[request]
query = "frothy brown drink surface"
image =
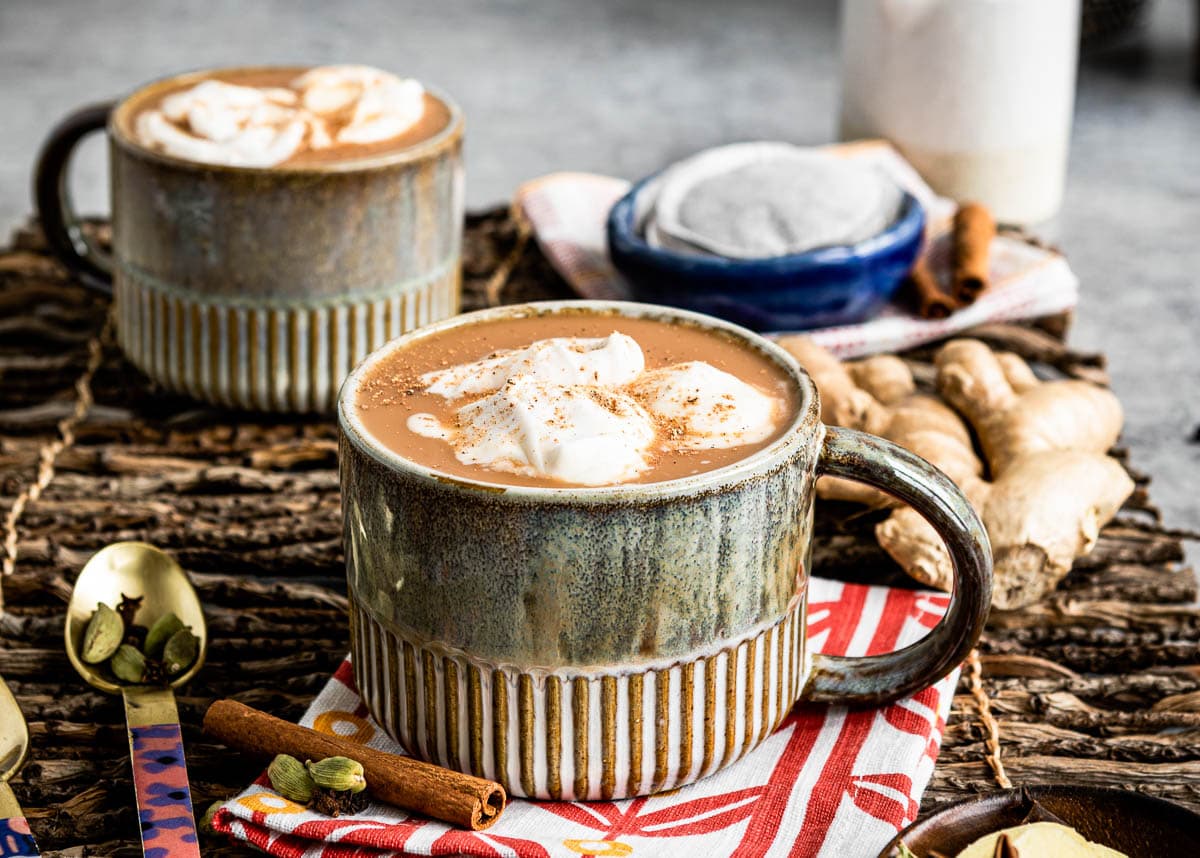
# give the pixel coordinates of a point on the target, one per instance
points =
(576, 399)
(283, 117)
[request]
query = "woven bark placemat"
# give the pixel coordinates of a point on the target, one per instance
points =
(1100, 685)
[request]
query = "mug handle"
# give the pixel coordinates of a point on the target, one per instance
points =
(876, 679)
(60, 224)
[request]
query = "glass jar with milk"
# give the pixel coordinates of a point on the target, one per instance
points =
(976, 94)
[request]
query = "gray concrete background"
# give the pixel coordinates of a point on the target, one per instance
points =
(624, 86)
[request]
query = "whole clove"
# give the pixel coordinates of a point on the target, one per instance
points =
(339, 802)
(128, 608)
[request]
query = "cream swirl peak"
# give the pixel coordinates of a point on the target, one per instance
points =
(215, 122)
(613, 360)
(586, 411)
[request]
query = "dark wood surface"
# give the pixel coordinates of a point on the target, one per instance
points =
(1098, 685)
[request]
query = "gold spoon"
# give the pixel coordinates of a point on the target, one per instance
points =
(15, 837)
(155, 740)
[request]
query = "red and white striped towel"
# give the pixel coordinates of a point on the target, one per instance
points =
(568, 213)
(829, 782)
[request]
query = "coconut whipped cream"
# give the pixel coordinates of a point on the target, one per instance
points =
(706, 407)
(586, 411)
(611, 361)
(249, 126)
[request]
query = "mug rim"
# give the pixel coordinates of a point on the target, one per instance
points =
(780, 450)
(451, 133)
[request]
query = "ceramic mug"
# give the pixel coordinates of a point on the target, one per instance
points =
(584, 643)
(262, 287)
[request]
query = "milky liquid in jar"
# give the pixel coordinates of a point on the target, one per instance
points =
(656, 401)
(976, 94)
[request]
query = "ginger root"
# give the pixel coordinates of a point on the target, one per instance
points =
(1052, 487)
(1040, 514)
(878, 395)
(1016, 414)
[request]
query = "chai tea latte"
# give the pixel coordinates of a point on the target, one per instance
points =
(283, 117)
(576, 399)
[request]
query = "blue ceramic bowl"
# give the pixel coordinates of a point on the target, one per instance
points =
(834, 285)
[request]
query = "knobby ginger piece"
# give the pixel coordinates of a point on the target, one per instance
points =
(885, 377)
(1042, 513)
(1015, 414)
(842, 404)
(878, 395)
(1052, 489)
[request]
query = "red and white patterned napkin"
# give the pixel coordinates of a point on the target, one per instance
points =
(568, 213)
(829, 782)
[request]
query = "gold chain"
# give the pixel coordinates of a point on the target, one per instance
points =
(50, 451)
(991, 729)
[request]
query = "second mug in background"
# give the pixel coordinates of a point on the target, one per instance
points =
(255, 286)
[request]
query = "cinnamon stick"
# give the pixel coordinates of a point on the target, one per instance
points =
(453, 797)
(974, 230)
(930, 300)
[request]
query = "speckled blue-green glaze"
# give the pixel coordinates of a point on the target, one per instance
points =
(532, 583)
(338, 230)
(261, 288)
(577, 577)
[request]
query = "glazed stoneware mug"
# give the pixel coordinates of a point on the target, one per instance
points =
(261, 287)
(585, 643)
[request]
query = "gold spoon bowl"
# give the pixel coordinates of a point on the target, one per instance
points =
(132, 569)
(155, 740)
(15, 836)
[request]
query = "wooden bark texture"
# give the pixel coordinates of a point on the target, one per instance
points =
(1098, 685)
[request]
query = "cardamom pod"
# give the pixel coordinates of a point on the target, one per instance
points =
(338, 773)
(104, 633)
(180, 651)
(290, 779)
(128, 664)
(206, 826)
(165, 626)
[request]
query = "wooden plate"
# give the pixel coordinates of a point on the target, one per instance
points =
(1134, 823)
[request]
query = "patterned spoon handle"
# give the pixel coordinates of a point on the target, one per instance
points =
(16, 840)
(160, 774)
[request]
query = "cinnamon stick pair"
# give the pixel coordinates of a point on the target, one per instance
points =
(971, 239)
(461, 800)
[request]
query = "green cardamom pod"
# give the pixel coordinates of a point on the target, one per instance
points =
(180, 651)
(206, 826)
(290, 779)
(165, 626)
(338, 773)
(104, 633)
(128, 664)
